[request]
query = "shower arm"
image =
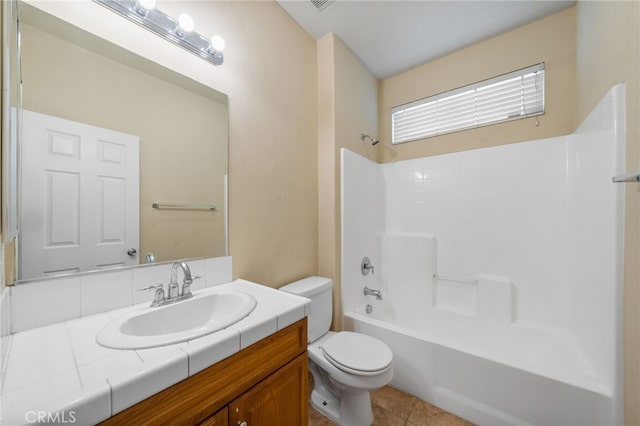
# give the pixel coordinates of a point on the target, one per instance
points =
(374, 141)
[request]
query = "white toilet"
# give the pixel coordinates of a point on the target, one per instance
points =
(345, 365)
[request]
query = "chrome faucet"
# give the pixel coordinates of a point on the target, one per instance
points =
(174, 293)
(371, 292)
(174, 290)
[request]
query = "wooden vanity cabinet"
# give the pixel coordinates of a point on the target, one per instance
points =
(262, 385)
(221, 418)
(277, 400)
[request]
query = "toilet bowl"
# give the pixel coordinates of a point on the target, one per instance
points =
(345, 365)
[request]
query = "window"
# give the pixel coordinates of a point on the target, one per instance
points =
(519, 94)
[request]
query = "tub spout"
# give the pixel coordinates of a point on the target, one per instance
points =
(371, 292)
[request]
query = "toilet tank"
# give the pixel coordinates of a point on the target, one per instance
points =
(319, 314)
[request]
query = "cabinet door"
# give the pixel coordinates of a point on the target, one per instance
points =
(279, 400)
(221, 418)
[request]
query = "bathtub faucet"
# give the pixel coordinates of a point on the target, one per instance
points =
(371, 292)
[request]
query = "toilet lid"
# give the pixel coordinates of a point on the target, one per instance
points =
(357, 353)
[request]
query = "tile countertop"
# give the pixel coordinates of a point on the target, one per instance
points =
(58, 373)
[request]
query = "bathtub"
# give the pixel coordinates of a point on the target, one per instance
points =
(486, 373)
(501, 272)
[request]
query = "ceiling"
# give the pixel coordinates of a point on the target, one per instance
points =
(391, 36)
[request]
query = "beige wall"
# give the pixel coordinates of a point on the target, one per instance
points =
(328, 225)
(347, 99)
(272, 85)
(550, 40)
(608, 52)
(183, 136)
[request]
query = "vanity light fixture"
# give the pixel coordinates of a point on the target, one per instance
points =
(217, 44)
(144, 6)
(178, 31)
(185, 25)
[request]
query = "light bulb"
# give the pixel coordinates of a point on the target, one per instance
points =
(185, 22)
(147, 4)
(217, 43)
(144, 6)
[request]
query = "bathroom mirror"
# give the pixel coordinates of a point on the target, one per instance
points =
(10, 104)
(74, 78)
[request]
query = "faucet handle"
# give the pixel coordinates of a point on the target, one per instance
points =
(186, 286)
(173, 290)
(190, 280)
(186, 289)
(159, 294)
(150, 287)
(366, 266)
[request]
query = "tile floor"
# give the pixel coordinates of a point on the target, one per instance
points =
(392, 407)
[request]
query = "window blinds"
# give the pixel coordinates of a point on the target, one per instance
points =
(519, 94)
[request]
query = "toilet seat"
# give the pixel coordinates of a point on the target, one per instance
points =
(357, 353)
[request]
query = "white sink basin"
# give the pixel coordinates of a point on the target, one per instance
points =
(189, 319)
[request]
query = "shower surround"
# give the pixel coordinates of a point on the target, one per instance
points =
(501, 273)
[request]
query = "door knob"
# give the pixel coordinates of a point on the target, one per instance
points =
(241, 423)
(132, 252)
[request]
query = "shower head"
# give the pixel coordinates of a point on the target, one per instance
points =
(374, 141)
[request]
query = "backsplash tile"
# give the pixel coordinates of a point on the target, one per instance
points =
(103, 292)
(218, 271)
(39, 303)
(148, 276)
(198, 273)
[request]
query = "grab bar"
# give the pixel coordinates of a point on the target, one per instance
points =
(632, 176)
(456, 279)
(183, 206)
